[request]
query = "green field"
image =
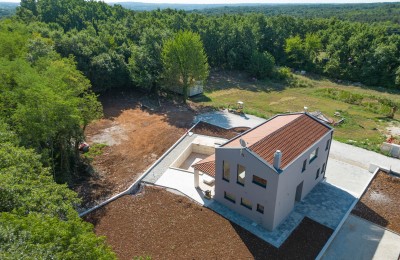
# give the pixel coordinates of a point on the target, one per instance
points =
(364, 127)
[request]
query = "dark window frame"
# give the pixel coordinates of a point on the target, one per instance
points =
(260, 183)
(260, 210)
(304, 168)
(317, 175)
(328, 144)
(237, 175)
(315, 155)
(246, 206)
(223, 171)
(228, 198)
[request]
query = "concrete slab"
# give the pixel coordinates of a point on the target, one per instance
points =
(362, 158)
(360, 239)
(348, 177)
(228, 120)
(184, 182)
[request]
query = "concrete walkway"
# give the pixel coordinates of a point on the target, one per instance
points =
(228, 120)
(360, 239)
(348, 177)
(360, 157)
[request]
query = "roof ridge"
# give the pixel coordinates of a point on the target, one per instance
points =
(268, 120)
(277, 131)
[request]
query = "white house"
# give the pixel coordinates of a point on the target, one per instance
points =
(263, 172)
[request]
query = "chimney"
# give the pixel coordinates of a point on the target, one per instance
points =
(305, 109)
(277, 159)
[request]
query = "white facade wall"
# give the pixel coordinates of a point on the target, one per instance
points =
(278, 198)
(250, 191)
(292, 176)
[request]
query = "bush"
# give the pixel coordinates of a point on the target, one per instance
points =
(283, 73)
(261, 65)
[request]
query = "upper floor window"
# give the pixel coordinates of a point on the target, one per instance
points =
(259, 181)
(327, 144)
(227, 172)
(241, 174)
(314, 155)
(304, 165)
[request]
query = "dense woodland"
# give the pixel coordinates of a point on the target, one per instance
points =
(56, 55)
(375, 12)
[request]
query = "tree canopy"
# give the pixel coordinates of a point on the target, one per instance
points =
(184, 60)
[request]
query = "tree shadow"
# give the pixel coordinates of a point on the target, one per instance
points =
(365, 212)
(95, 216)
(225, 80)
(116, 101)
(305, 242)
(90, 187)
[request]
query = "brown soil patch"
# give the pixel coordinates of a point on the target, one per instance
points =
(135, 137)
(380, 204)
(163, 225)
(203, 128)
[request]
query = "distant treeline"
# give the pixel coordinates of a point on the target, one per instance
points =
(375, 12)
(7, 9)
(116, 47)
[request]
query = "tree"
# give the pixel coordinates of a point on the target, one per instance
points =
(261, 65)
(184, 60)
(37, 216)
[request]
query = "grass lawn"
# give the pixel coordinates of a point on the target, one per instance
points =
(362, 127)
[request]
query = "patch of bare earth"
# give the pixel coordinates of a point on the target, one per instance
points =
(135, 139)
(163, 225)
(204, 128)
(380, 204)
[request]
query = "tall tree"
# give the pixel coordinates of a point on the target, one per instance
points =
(185, 60)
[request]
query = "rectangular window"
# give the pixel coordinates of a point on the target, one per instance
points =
(327, 145)
(304, 165)
(246, 203)
(227, 172)
(241, 174)
(317, 175)
(259, 181)
(314, 155)
(260, 208)
(230, 197)
(323, 168)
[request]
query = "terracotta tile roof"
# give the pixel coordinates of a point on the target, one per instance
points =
(292, 139)
(207, 165)
(292, 134)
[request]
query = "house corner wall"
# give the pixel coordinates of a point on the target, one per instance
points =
(292, 176)
(250, 191)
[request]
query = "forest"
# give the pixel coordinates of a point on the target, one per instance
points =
(372, 12)
(56, 56)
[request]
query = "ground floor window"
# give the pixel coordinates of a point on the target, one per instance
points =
(260, 208)
(230, 197)
(246, 203)
(317, 175)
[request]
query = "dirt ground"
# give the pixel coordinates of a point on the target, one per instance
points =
(380, 204)
(163, 225)
(204, 128)
(135, 138)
